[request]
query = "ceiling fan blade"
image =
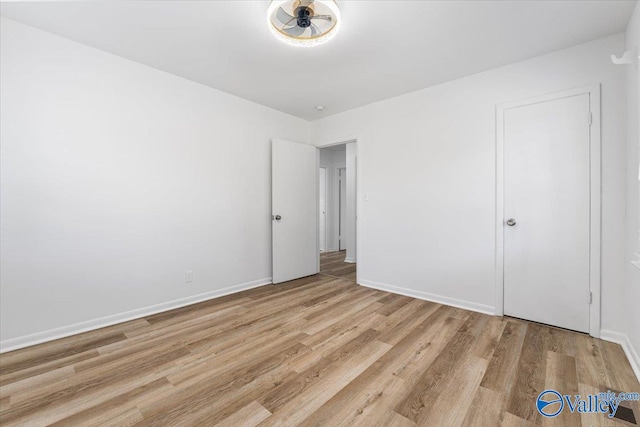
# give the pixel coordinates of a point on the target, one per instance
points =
(283, 16)
(294, 31)
(314, 29)
(323, 17)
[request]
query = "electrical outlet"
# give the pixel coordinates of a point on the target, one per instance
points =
(188, 276)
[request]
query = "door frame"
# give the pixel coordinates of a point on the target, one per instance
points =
(595, 173)
(338, 205)
(339, 141)
(326, 181)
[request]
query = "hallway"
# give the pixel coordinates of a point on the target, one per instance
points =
(332, 264)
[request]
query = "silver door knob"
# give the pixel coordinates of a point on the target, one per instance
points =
(511, 222)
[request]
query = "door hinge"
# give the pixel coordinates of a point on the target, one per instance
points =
(590, 118)
(590, 297)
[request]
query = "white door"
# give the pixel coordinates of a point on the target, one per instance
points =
(342, 210)
(294, 202)
(323, 208)
(546, 212)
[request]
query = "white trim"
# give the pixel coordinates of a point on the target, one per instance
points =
(337, 191)
(499, 213)
(625, 343)
(101, 322)
(317, 211)
(338, 141)
(595, 245)
(326, 181)
(636, 259)
(349, 259)
(595, 198)
(440, 299)
(335, 209)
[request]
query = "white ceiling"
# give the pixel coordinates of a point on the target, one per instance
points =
(383, 49)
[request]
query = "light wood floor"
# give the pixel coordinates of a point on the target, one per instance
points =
(332, 264)
(317, 351)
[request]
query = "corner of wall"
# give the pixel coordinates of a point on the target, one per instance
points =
(627, 346)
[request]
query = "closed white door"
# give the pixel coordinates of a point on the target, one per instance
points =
(546, 212)
(294, 210)
(323, 208)
(342, 210)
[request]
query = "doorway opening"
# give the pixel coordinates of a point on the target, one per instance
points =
(337, 210)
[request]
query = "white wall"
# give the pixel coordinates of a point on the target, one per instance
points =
(632, 293)
(427, 162)
(116, 179)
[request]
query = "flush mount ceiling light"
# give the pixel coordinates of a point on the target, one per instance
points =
(303, 22)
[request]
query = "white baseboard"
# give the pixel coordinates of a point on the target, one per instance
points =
(101, 322)
(350, 260)
(629, 350)
(467, 305)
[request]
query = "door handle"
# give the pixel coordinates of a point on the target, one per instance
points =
(276, 217)
(511, 222)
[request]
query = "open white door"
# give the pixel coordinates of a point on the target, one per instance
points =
(294, 200)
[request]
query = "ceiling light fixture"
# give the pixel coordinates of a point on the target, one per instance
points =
(303, 22)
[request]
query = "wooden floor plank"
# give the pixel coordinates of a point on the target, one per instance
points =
(589, 363)
(249, 416)
(120, 407)
(486, 409)
(419, 402)
(593, 420)
(315, 351)
(456, 394)
(561, 375)
(332, 264)
(530, 374)
(297, 385)
(511, 420)
(504, 361)
(380, 386)
(303, 406)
